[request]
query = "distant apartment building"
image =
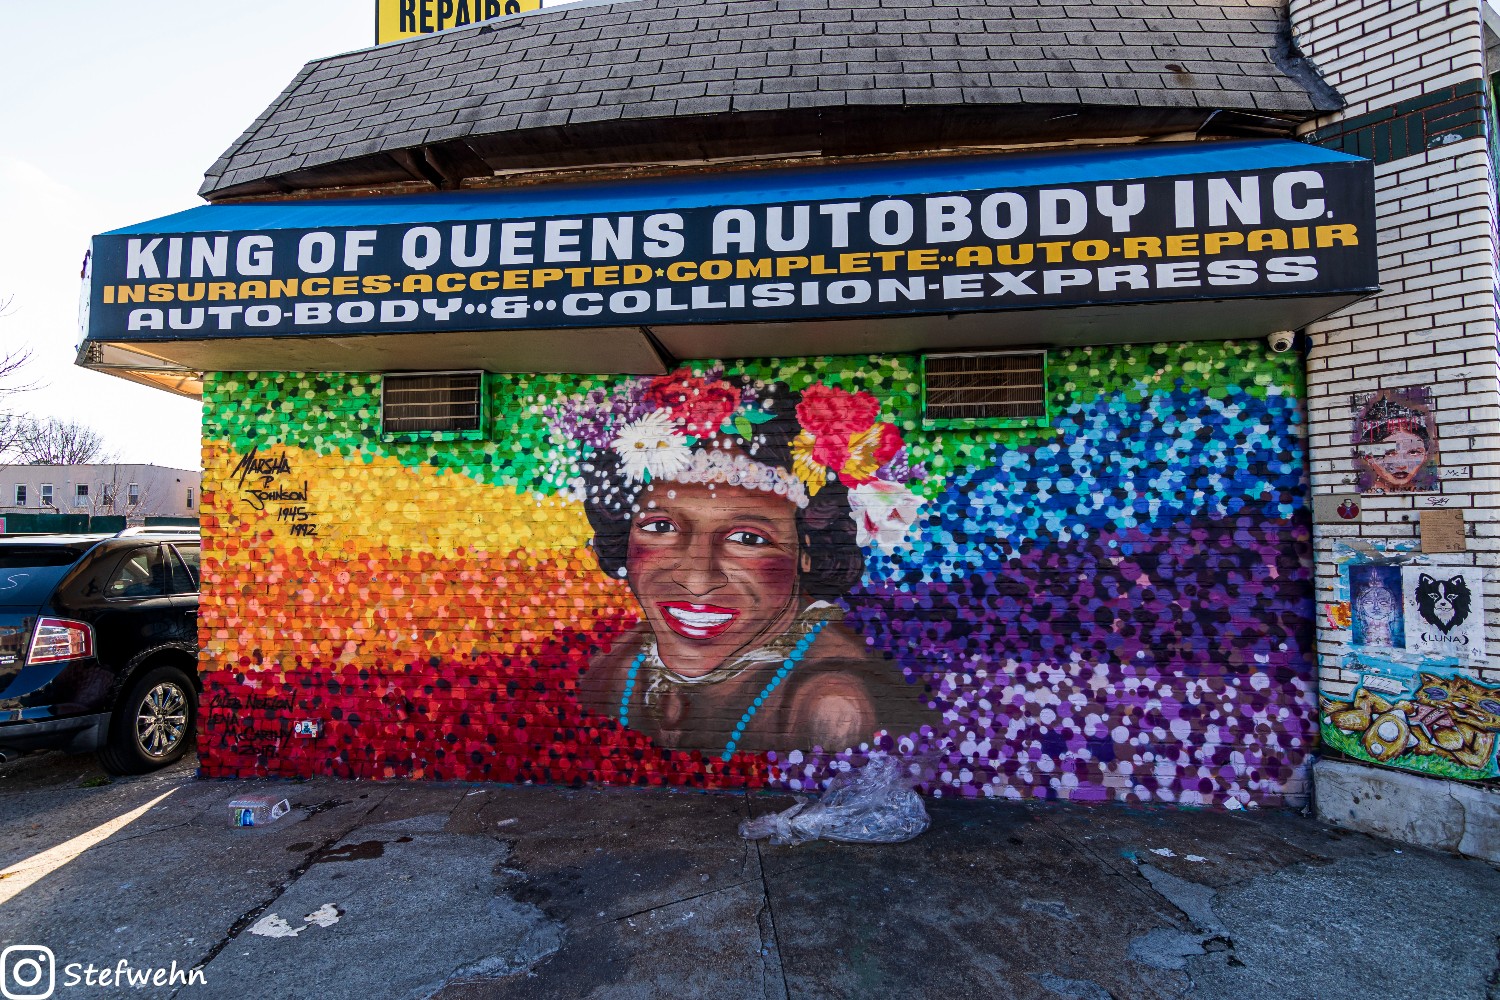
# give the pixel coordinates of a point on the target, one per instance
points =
(135, 491)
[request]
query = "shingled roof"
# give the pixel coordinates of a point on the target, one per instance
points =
(655, 80)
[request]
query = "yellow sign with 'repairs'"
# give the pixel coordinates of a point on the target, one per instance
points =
(398, 19)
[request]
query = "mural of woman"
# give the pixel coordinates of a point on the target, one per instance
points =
(1395, 441)
(735, 510)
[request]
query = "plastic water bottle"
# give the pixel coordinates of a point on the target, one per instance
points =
(257, 810)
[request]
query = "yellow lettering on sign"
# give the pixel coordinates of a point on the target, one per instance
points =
(398, 19)
(1344, 236)
(1215, 242)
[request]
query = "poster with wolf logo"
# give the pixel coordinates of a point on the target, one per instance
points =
(1444, 611)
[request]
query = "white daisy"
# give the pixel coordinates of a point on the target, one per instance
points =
(652, 445)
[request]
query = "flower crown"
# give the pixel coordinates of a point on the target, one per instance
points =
(706, 429)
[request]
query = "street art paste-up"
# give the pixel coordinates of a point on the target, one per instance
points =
(1444, 611)
(1395, 441)
(1115, 606)
(1375, 606)
(1432, 719)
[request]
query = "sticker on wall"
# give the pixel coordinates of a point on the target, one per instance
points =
(1433, 720)
(1395, 441)
(1337, 508)
(1444, 611)
(1443, 530)
(1375, 606)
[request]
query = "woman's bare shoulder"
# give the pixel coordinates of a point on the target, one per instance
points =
(845, 692)
(831, 698)
(829, 707)
(601, 683)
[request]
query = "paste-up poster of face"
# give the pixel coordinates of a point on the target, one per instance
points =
(1375, 606)
(1444, 611)
(1395, 441)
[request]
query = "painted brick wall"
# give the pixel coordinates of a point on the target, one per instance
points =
(1434, 324)
(1117, 606)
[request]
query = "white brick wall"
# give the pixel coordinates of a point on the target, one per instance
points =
(1435, 322)
(1378, 53)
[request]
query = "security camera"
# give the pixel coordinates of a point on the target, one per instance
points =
(1281, 341)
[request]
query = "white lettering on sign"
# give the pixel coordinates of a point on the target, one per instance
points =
(1162, 238)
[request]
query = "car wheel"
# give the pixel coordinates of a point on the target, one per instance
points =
(153, 724)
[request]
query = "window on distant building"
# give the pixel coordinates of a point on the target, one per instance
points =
(20, 496)
(190, 498)
(81, 495)
(46, 494)
(133, 494)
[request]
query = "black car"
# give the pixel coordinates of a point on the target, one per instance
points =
(99, 646)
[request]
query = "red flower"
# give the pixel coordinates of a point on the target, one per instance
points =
(890, 443)
(699, 405)
(829, 412)
(832, 452)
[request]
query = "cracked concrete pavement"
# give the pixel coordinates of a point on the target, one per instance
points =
(375, 891)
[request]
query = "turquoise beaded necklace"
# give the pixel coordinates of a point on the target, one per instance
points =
(782, 673)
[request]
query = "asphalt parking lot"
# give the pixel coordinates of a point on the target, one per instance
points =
(465, 892)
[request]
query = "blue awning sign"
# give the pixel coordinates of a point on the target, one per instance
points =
(1151, 224)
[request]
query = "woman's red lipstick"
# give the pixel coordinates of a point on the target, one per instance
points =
(697, 621)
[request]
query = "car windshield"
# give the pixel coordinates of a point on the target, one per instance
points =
(28, 573)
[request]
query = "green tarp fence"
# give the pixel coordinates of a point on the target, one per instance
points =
(69, 524)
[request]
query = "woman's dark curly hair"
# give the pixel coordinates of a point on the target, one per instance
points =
(825, 528)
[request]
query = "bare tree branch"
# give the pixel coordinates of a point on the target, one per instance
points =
(13, 431)
(14, 428)
(48, 441)
(113, 497)
(59, 442)
(12, 361)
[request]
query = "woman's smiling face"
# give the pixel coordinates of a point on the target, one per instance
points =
(714, 569)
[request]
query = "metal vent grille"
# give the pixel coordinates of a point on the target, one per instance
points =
(996, 386)
(434, 401)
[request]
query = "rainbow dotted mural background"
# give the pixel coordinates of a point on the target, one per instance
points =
(1119, 606)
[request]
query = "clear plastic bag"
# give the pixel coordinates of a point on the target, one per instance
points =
(875, 804)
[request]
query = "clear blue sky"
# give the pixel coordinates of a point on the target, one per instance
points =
(112, 111)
